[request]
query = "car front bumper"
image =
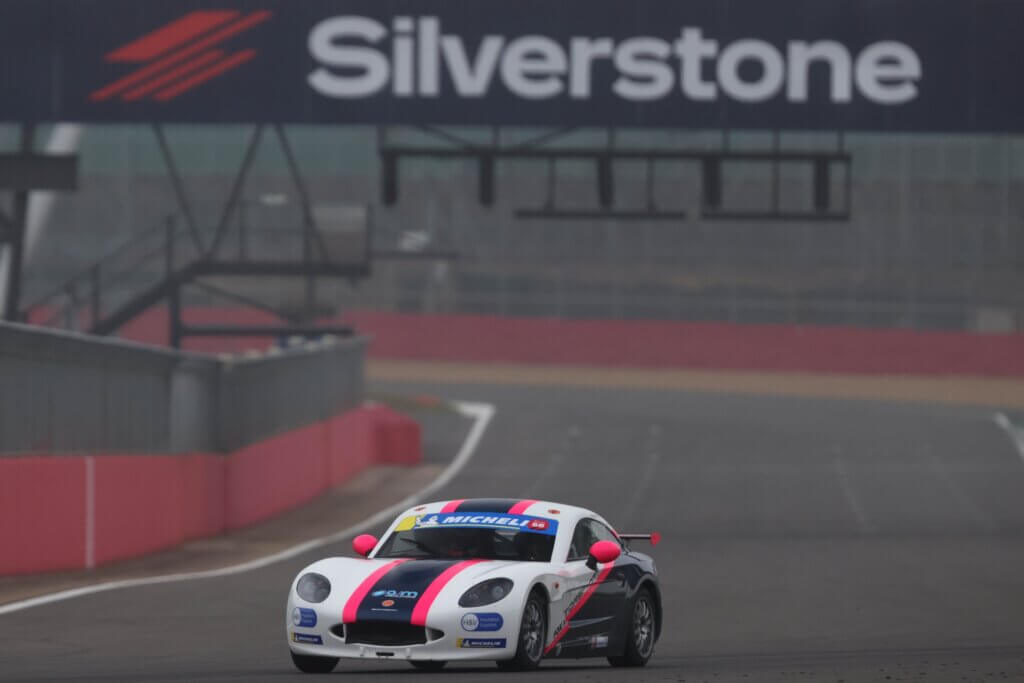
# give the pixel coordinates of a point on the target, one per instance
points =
(445, 639)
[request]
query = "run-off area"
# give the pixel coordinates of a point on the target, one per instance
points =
(803, 540)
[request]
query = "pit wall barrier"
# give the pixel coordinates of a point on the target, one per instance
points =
(642, 343)
(81, 511)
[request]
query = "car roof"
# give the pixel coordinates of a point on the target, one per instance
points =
(524, 506)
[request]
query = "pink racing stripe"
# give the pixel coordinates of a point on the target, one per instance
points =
(348, 615)
(579, 605)
(520, 507)
(419, 613)
(452, 505)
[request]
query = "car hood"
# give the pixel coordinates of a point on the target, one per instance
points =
(399, 589)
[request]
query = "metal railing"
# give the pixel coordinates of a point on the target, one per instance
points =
(157, 264)
(143, 261)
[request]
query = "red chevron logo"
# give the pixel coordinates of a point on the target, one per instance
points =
(180, 56)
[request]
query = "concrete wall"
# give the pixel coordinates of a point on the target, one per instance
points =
(81, 511)
(259, 395)
(111, 449)
(65, 392)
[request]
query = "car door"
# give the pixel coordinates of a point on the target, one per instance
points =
(586, 618)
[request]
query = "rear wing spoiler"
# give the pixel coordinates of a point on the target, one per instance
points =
(654, 537)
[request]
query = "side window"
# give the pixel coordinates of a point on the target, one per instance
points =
(581, 541)
(603, 533)
(587, 533)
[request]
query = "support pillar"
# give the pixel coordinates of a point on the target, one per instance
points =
(16, 242)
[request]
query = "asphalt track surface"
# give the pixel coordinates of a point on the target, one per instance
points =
(803, 540)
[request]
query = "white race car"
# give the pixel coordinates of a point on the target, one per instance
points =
(512, 581)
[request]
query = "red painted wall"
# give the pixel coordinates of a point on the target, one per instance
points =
(42, 514)
(655, 344)
(202, 483)
(276, 474)
(352, 446)
(144, 503)
(690, 345)
(138, 508)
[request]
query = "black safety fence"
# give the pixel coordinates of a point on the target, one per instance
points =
(63, 392)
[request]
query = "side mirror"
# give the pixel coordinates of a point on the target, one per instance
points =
(603, 552)
(364, 544)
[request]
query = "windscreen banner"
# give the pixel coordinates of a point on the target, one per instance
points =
(884, 65)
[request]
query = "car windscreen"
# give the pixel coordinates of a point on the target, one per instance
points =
(472, 536)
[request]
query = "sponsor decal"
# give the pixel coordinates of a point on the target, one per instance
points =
(304, 617)
(577, 602)
(351, 609)
(394, 594)
(179, 56)
(402, 591)
(480, 642)
(482, 621)
(307, 638)
(405, 524)
(599, 641)
(538, 525)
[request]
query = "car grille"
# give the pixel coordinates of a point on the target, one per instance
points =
(382, 633)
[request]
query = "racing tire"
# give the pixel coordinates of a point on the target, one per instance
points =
(532, 633)
(311, 664)
(641, 633)
(428, 664)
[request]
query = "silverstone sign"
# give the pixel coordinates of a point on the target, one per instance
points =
(537, 67)
(899, 65)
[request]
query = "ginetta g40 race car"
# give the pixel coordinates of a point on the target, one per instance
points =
(511, 581)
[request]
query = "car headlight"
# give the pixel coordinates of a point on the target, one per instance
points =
(486, 592)
(313, 587)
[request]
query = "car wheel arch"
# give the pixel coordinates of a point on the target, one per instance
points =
(539, 588)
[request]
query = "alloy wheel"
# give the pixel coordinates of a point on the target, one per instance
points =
(643, 626)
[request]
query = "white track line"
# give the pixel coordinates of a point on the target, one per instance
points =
(554, 462)
(1016, 434)
(850, 494)
(647, 477)
(956, 491)
(481, 413)
(90, 512)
